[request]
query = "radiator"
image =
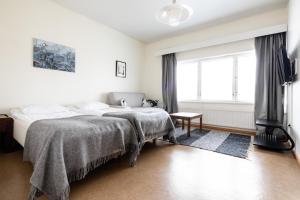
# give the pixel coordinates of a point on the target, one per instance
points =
(238, 119)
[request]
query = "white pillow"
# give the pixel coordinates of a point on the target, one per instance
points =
(43, 109)
(95, 105)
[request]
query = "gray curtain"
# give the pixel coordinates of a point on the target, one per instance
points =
(269, 92)
(169, 85)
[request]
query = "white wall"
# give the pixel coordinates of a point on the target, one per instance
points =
(97, 48)
(152, 67)
(294, 51)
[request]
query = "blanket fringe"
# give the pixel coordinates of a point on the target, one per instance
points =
(82, 172)
(34, 193)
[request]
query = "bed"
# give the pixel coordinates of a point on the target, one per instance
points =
(64, 146)
(143, 116)
(150, 122)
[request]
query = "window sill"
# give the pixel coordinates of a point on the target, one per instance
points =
(217, 102)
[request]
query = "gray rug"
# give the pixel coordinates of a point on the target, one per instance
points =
(220, 142)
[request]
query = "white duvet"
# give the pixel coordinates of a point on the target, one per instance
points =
(23, 121)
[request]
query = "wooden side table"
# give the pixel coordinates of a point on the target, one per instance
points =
(187, 116)
(7, 142)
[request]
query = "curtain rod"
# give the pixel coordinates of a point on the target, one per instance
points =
(224, 40)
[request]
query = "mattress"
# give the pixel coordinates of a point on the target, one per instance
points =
(22, 122)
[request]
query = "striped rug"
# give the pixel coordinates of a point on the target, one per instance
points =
(217, 141)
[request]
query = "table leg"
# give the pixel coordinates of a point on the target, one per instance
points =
(201, 123)
(189, 128)
(182, 124)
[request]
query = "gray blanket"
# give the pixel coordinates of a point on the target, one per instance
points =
(65, 150)
(149, 125)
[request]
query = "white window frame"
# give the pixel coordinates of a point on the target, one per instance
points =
(234, 77)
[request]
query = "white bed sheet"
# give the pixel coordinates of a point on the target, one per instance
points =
(100, 112)
(147, 109)
(22, 122)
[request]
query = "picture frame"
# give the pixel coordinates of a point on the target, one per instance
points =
(120, 69)
(50, 55)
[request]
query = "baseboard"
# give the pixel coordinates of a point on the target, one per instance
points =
(241, 131)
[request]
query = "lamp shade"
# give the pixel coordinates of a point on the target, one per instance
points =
(174, 14)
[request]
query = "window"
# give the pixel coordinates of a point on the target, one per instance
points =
(246, 77)
(226, 78)
(188, 79)
(217, 76)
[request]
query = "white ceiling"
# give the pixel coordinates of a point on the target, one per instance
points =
(136, 18)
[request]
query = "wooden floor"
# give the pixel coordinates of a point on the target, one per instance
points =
(173, 172)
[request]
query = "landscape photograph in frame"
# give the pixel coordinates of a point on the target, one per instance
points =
(49, 55)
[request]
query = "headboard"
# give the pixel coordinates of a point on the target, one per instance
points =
(133, 99)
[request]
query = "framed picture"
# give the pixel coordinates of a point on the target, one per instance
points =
(121, 69)
(49, 55)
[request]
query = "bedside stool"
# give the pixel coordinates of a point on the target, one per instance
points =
(187, 116)
(7, 142)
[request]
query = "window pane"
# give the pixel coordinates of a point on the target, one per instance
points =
(216, 79)
(246, 77)
(187, 81)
